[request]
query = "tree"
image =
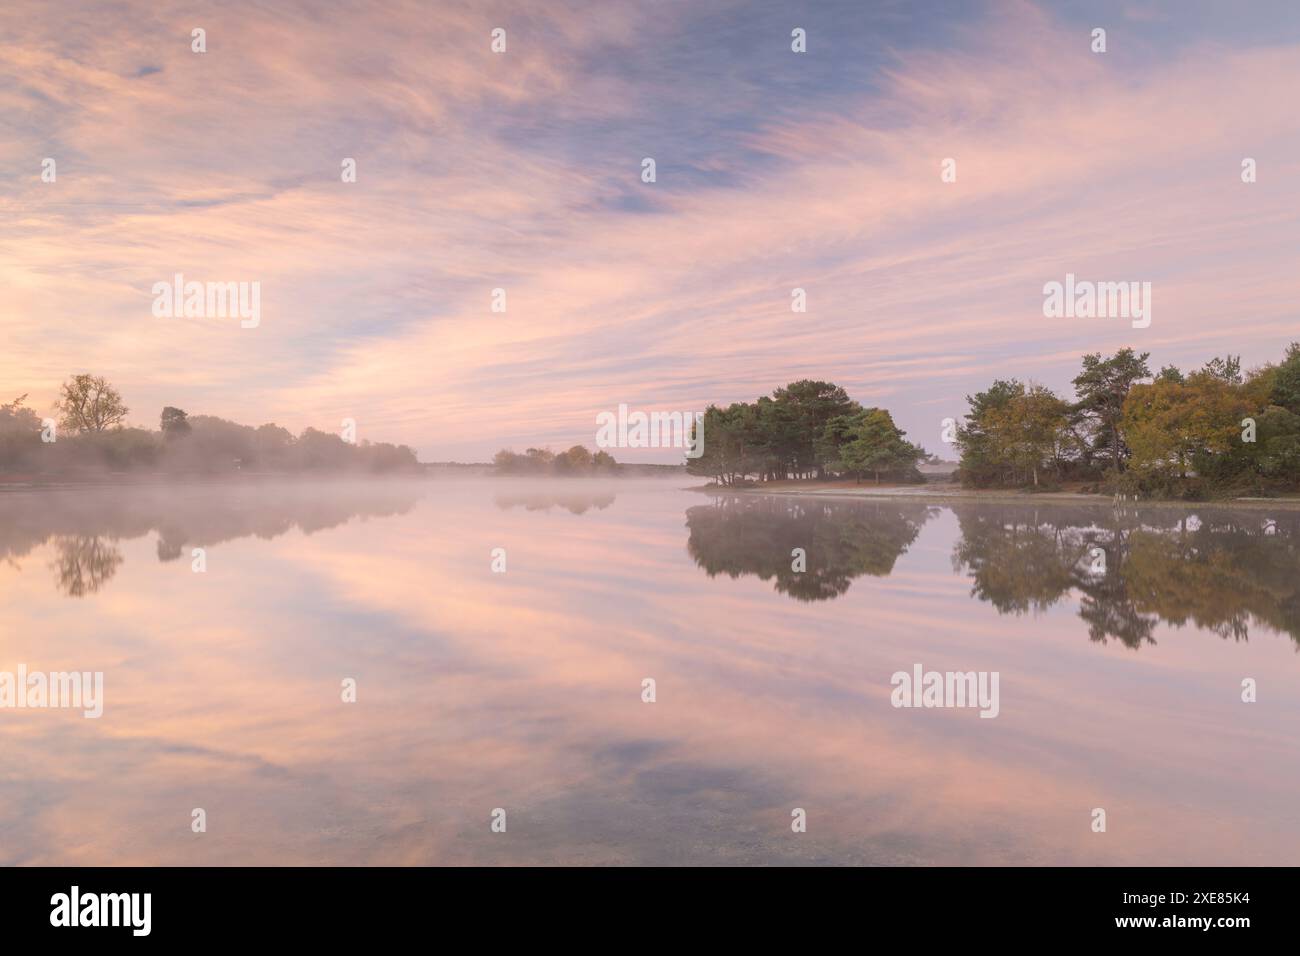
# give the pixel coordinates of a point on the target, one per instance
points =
(811, 405)
(1102, 387)
(734, 446)
(216, 444)
(174, 423)
(1286, 380)
(575, 461)
(868, 441)
(1278, 456)
(272, 445)
(1172, 427)
(317, 450)
(507, 462)
(709, 463)
(980, 463)
(778, 437)
(88, 403)
(538, 459)
(1028, 429)
(19, 431)
(15, 419)
(1227, 369)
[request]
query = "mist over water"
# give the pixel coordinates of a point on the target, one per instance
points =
(522, 689)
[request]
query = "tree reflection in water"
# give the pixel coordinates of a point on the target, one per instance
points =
(1222, 570)
(575, 502)
(739, 534)
(84, 563)
(85, 525)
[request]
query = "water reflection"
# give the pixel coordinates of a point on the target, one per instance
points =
(523, 689)
(83, 564)
(85, 525)
(842, 540)
(1222, 570)
(574, 501)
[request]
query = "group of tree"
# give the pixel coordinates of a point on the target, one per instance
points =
(1208, 432)
(807, 429)
(90, 434)
(577, 462)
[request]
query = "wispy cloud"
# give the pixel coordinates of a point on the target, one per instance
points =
(521, 171)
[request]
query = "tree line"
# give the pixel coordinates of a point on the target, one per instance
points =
(1209, 432)
(91, 434)
(576, 462)
(807, 429)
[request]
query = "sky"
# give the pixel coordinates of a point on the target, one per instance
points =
(522, 170)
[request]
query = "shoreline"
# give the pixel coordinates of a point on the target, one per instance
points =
(947, 494)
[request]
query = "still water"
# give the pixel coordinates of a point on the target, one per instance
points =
(1120, 689)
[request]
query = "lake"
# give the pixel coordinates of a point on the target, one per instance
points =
(1120, 638)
